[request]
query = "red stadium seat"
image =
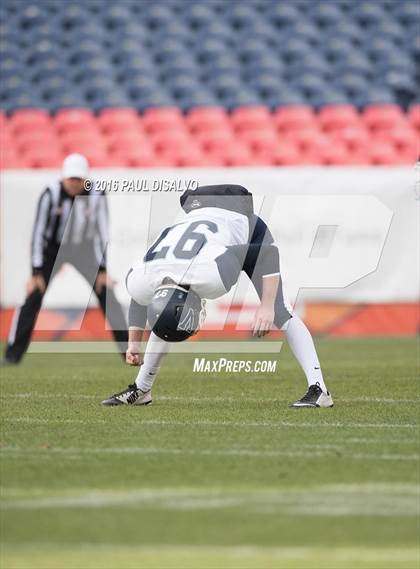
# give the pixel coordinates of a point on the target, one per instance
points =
(262, 159)
(29, 119)
(382, 117)
(354, 138)
(3, 119)
(334, 154)
(32, 139)
(215, 140)
(414, 116)
(358, 158)
(71, 120)
(135, 156)
(310, 143)
(207, 118)
(293, 118)
(255, 117)
(6, 136)
(171, 141)
(121, 141)
(337, 117)
(117, 161)
(163, 119)
(286, 154)
(71, 141)
(112, 120)
(192, 157)
(163, 161)
(382, 153)
(10, 158)
(43, 157)
(404, 139)
(97, 157)
(306, 140)
(260, 141)
(236, 155)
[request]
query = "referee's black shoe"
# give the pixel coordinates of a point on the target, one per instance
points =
(10, 360)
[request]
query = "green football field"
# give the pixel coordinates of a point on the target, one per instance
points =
(218, 472)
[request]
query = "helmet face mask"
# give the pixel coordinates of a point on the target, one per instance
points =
(175, 313)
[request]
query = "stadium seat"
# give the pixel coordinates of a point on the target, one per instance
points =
(355, 137)
(27, 140)
(250, 117)
(166, 118)
(114, 119)
(171, 142)
(118, 142)
(345, 29)
(338, 117)
(191, 157)
(382, 117)
(261, 142)
(237, 155)
(334, 154)
(383, 153)
(414, 116)
(367, 13)
(10, 159)
(325, 13)
(286, 154)
(294, 49)
(207, 118)
(43, 157)
(310, 142)
(72, 140)
(310, 62)
(136, 156)
(215, 141)
(294, 118)
(29, 119)
(71, 120)
(198, 15)
(284, 14)
(405, 140)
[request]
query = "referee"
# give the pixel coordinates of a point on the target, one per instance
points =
(67, 230)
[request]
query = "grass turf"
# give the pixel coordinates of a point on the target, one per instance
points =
(218, 471)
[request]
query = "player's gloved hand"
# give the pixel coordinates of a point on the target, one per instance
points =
(263, 321)
(35, 282)
(133, 355)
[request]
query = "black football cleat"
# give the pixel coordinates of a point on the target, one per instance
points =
(130, 396)
(314, 397)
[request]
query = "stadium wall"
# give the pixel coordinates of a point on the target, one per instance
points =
(348, 239)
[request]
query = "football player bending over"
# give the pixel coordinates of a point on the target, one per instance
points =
(201, 258)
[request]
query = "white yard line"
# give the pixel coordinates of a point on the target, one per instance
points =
(359, 556)
(311, 502)
(78, 451)
(189, 423)
(205, 399)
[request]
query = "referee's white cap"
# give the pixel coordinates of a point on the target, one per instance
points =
(75, 166)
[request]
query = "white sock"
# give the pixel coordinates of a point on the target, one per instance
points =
(302, 346)
(156, 349)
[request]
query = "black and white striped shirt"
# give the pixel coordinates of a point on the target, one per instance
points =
(62, 219)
